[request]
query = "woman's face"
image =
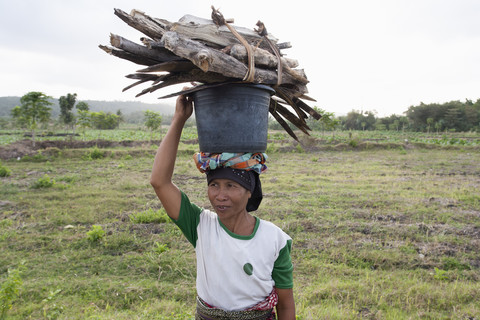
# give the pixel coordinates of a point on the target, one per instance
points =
(227, 197)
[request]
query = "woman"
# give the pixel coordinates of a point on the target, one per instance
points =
(244, 269)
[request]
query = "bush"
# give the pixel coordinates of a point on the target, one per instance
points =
(353, 143)
(44, 182)
(450, 263)
(38, 157)
(94, 154)
(4, 171)
(95, 234)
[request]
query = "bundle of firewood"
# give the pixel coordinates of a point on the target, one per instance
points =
(210, 53)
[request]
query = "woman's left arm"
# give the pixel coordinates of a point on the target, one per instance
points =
(286, 304)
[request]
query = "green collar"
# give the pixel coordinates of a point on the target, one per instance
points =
(236, 236)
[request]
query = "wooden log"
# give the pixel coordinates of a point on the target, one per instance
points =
(305, 97)
(143, 80)
(300, 124)
(155, 22)
(307, 108)
(263, 58)
(205, 31)
(128, 56)
(157, 54)
(273, 111)
(171, 66)
(194, 75)
(285, 96)
(140, 76)
(209, 59)
(142, 23)
(284, 45)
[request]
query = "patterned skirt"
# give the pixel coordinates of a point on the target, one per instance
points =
(206, 312)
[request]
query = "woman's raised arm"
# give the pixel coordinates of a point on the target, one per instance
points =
(164, 163)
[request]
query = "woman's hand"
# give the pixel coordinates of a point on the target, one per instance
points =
(183, 107)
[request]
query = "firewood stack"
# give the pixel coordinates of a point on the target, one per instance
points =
(210, 53)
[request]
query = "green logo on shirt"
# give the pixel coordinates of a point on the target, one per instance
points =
(248, 269)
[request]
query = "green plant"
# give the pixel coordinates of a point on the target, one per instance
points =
(6, 223)
(440, 274)
(44, 182)
(51, 310)
(299, 148)
(450, 263)
(159, 248)
(9, 290)
(4, 171)
(150, 216)
(94, 154)
(353, 142)
(5, 230)
(38, 157)
(95, 234)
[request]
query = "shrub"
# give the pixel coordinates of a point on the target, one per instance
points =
(450, 263)
(38, 157)
(150, 216)
(44, 182)
(4, 171)
(95, 234)
(9, 290)
(440, 274)
(128, 157)
(299, 148)
(94, 154)
(353, 143)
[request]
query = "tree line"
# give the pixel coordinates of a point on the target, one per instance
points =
(454, 116)
(34, 111)
(457, 116)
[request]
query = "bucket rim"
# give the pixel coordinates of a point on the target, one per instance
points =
(246, 84)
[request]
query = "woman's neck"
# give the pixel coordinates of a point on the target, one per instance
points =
(242, 224)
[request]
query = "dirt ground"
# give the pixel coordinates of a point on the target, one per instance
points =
(27, 148)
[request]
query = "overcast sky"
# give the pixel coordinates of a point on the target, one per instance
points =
(382, 55)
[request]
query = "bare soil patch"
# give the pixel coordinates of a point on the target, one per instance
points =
(27, 148)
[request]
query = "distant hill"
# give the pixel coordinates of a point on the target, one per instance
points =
(126, 107)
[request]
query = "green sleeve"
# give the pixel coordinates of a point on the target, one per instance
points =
(188, 219)
(282, 272)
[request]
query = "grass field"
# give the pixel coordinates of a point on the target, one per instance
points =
(378, 233)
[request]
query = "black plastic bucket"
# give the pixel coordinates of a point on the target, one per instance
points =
(233, 118)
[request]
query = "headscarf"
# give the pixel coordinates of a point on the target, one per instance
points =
(246, 161)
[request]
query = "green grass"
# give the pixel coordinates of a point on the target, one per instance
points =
(377, 234)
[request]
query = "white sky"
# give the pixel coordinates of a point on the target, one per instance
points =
(382, 55)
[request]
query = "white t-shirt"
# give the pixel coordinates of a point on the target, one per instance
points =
(235, 272)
